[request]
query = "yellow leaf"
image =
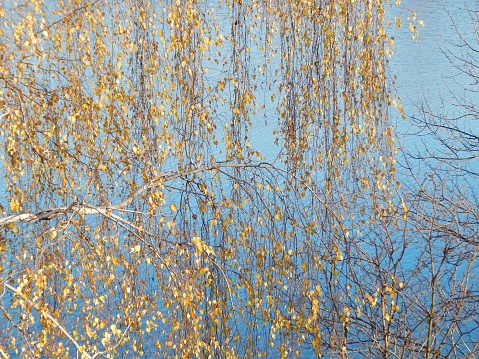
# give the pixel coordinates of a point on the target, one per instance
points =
(398, 21)
(115, 330)
(90, 332)
(14, 205)
(198, 243)
(210, 251)
(173, 207)
(405, 208)
(202, 246)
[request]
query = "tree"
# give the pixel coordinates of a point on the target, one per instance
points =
(143, 219)
(444, 210)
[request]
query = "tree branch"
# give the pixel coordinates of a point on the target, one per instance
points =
(53, 320)
(85, 209)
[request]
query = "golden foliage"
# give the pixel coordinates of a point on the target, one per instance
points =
(121, 121)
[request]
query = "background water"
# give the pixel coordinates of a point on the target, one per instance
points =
(423, 72)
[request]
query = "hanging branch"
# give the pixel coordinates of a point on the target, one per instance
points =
(87, 209)
(53, 320)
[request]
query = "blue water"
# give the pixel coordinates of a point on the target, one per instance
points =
(424, 74)
(425, 70)
(429, 77)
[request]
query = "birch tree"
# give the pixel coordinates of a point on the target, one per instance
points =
(144, 217)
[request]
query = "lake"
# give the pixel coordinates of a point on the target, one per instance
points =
(423, 73)
(422, 69)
